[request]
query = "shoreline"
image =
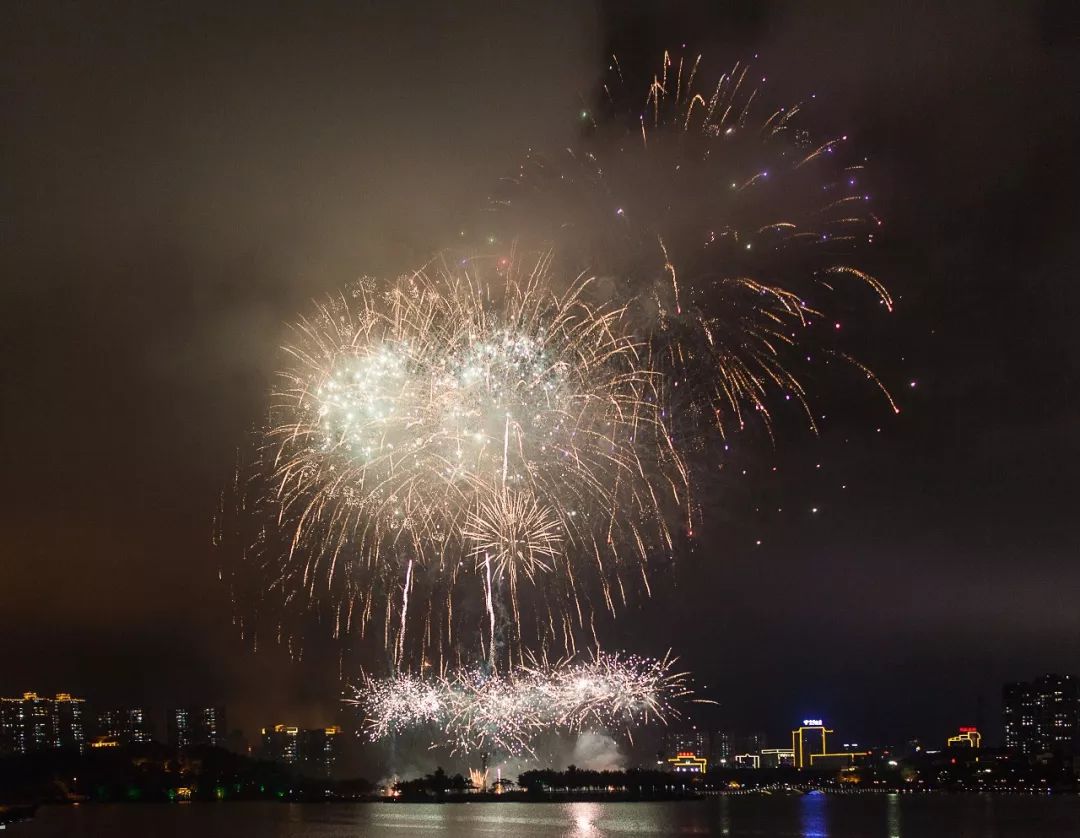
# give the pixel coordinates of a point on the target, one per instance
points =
(511, 798)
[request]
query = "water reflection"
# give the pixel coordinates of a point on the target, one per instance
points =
(585, 816)
(892, 816)
(735, 816)
(724, 818)
(812, 815)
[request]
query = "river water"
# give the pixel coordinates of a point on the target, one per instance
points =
(809, 816)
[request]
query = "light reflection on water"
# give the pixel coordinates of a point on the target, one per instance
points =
(580, 819)
(738, 816)
(892, 816)
(723, 822)
(812, 815)
(585, 815)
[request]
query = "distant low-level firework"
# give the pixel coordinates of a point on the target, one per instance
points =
(476, 710)
(730, 227)
(471, 458)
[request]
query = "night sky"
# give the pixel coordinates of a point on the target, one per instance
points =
(180, 179)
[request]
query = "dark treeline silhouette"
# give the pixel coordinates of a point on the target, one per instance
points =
(437, 784)
(548, 784)
(153, 772)
(633, 781)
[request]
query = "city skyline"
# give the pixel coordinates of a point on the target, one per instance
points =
(1040, 715)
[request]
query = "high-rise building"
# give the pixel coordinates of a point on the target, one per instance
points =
(313, 752)
(25, 723)
(1042, 716)
(319, 750)
(69, 730)
(189, 726)
(723, 747)
(281, 743)
(727, 744)
(685, 739)
(1018, 716)
(123, 725)
(34, 723)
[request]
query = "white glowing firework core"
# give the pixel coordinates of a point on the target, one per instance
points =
(359, 397)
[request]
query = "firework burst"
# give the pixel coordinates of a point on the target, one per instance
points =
(467, 435)
(476, 710)
(513, 532)
(731, 228)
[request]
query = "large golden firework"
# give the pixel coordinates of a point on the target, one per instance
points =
(468, 434)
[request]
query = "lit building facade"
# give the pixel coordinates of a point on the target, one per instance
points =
(36, 723)
(1042, 716)
(281, 743)
(809, 747)
(968, 737)
(319, 750)
(1018, 715)
(313, 752)
(191, 726)
(123, 725)
(777, 757)
(69, 724)
(727, 744)
(688, 762)
(686, 750)
(689, 739)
